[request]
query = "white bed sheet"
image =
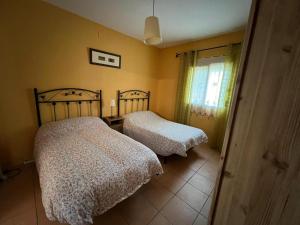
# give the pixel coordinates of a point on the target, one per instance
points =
(162, 136)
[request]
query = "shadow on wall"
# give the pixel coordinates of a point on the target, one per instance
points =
(32, 107)
(208, 125)
(9, 146)
(6, 157)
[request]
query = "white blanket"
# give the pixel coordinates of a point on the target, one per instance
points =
(162, 136)
(85, 168)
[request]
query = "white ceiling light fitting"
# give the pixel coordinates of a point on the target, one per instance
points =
(152, 31)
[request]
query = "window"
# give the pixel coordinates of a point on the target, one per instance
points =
(206, 86)
(215, 75)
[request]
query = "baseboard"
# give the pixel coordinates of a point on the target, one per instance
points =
(26, 162)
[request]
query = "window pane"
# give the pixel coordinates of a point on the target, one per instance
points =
(199, 85)
(214, 82)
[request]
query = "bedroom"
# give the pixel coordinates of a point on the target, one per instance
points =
(47, 45)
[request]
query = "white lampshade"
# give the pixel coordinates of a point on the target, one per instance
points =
(112, 103)
(152, 32)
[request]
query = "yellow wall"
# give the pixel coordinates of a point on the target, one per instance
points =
(168, 74)
(45, 47)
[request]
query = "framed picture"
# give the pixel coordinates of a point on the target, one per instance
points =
(103, 58)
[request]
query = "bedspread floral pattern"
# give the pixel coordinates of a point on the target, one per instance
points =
(85, 168)
(162, 136)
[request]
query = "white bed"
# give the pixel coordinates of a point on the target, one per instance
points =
(85, 168)
(162, 136)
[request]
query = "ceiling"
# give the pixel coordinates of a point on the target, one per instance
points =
(180, 20)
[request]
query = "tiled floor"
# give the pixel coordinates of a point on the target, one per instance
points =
(181, 196)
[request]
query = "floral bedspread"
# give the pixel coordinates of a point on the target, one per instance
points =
(85, 168)
(162, 136)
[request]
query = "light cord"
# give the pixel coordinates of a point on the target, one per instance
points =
(153, 6)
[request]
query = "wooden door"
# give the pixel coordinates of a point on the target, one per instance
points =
(260, 178)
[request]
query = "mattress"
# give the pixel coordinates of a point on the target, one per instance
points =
(85, 168)
(162, 136)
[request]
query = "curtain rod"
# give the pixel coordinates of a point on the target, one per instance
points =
(204, 49)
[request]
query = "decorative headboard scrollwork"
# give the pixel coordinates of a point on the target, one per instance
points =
(137, 97)
(68, 97)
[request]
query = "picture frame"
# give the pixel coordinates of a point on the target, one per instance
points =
(103, 58)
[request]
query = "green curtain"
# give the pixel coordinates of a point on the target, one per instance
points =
(227, 88)
(185, 80)
(189, 75)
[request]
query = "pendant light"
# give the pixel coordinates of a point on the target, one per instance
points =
(152, 32)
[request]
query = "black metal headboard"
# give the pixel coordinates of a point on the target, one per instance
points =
(68, 97)
(133, 96)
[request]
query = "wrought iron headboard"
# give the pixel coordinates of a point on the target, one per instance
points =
(133, 96)
(67, 96)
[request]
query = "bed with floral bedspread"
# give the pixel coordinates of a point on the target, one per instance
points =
(162, 136)
(85, 168)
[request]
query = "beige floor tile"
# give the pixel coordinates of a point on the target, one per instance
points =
(111, 217)
(212, 192)
(159, 219)
(202, 183)
(197, 164)
(209, 170)
(23, 218)
(136, 210)
(156, 194)
(206, 208)
(184, 173)
(17, 205)
(178, 212)
(171, 182)
(215, 160)
(207, 153)
(193, 161)
(201, 220)
(178, 164)
(192, 196)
